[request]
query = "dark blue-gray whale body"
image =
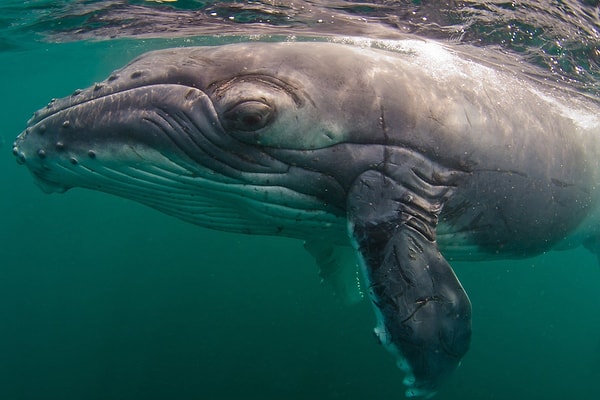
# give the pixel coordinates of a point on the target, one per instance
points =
(400, 152)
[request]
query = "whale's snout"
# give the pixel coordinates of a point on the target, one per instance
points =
(93, 138)
(32, 149)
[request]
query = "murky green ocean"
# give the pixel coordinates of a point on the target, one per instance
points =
(103, 298)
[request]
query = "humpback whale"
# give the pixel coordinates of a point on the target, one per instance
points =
(397, 157)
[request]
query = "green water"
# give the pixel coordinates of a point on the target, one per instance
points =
(102, 298)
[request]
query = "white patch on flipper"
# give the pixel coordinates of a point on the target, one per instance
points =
(384, 336)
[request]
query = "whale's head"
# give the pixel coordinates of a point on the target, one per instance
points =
(214, 136)
(292, 139)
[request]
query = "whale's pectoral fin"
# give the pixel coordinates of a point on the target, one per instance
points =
(338, 268)
(424, 315)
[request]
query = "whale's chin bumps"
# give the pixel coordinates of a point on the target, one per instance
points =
(396, 156)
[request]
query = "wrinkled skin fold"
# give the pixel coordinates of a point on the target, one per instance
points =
(411, 156)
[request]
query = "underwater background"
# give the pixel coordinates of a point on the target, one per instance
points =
(103, 298)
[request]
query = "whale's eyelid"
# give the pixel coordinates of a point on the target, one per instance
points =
(217, 87)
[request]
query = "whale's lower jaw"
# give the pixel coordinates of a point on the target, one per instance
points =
(208, 201)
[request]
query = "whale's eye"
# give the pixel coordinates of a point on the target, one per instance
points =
(249, 116)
